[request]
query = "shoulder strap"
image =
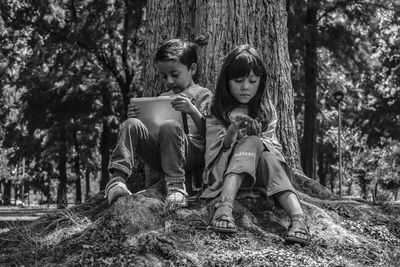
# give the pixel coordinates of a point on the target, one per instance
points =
(185, 123)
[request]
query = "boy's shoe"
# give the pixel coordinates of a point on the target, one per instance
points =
(116, 190)
(177, 195)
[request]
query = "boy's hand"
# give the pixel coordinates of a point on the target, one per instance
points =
(183, 104)
(133, 111)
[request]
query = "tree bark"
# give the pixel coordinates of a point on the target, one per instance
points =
(78, 197)
(225, 24)
(310, 94)
(219, 26)
(87, 184)
(62, 201)
(107, 135)
(321, 165)
(7, 193)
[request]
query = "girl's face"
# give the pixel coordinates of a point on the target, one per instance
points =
(243, 89)
(177, 76)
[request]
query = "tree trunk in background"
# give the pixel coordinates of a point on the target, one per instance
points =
(78, 197)
(62, 201)
(107, 141)
(219, 26)
(87, 187)
(7, 193)
(105, 153)
(332, 182)
(310, 94)
(321, 165)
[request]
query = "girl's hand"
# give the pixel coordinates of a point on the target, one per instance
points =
(253, 128)
(239, 120)
(133, 111)
(183, 104)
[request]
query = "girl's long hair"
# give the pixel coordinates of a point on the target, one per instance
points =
(238, 63)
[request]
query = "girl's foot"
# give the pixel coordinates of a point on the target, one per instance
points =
(298, 231)
(223, 220)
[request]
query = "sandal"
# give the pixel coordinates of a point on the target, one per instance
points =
(223, 212)
(298, 226)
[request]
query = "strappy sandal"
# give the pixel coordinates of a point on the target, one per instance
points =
(223, 212)
(298, 226)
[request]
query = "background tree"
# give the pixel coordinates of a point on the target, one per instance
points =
(87, 42)
(345, 51)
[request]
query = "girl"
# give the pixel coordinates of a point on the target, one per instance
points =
(173, 151)
(242, 150)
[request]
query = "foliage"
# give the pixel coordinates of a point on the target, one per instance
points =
(62, 59)
(357, 53)
(371, 167)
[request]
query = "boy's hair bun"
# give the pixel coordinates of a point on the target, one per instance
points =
(202, 39)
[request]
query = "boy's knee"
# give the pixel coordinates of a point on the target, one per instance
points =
(169, 127)
(132, 123)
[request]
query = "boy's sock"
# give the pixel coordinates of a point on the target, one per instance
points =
(176, 194)
(116, 188)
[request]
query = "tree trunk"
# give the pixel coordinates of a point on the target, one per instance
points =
(321, 165)
(332, 183)
(107, 135)
(87, 186)
(225, 24)
(105, 153)
(78, 198)
(310, 94)
(62, 201)
(7, 193)
(219, 26)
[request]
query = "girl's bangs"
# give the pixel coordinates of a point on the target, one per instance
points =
(242, 65)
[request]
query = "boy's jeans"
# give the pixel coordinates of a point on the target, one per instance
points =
(171, 154)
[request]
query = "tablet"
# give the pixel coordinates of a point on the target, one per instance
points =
(156, 110)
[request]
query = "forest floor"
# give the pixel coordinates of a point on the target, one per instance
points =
(140, 231)
(10, 215)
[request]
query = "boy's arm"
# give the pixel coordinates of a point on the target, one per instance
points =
(194, 108)
(198, 120)
(183, 104)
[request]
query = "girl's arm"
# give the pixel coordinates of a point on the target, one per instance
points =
(237, 120)
(269, 135)
(231, 135)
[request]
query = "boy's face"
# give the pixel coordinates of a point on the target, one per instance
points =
(177, 77)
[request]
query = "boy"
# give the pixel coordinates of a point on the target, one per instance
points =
(173, 151)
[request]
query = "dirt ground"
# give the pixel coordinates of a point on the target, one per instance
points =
(139, 231)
